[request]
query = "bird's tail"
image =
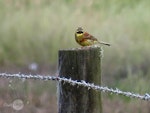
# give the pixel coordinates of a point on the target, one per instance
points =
(104, 43)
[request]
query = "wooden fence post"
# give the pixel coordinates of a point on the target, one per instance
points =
(79, 64)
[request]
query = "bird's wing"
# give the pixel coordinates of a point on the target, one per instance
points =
(88, 36)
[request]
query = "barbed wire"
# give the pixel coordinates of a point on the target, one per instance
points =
(116, 91)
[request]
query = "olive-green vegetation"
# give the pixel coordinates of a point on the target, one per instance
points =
(34, 31)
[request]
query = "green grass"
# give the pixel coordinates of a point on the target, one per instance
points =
(34, 31)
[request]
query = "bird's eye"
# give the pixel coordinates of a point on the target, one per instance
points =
(79, 32)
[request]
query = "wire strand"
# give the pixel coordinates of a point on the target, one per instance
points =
(83, 83)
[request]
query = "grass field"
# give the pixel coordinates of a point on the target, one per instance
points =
(34, 31)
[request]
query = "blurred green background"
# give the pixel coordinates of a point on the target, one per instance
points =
(32, 31)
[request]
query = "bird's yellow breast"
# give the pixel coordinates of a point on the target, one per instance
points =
(79, 36)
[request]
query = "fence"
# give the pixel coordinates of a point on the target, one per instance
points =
(78, 78)
(115, 91)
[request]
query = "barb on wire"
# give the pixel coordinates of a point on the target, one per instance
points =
(81, 83)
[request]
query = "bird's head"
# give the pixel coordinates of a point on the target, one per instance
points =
(79, 30)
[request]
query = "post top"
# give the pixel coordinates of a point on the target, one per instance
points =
(86, 48)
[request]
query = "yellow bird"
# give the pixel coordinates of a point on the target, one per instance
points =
(85, 39)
